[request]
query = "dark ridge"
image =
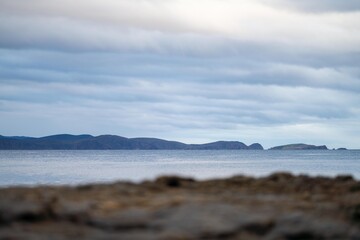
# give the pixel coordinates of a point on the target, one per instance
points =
(103, 142)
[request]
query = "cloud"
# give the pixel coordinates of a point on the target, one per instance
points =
(320, 5)
(211, 101)
(269, 71)
(109, 68)
(172, 26)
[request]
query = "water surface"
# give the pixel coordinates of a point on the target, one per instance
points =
(83, 166)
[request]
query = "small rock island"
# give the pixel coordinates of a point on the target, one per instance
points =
(299, 146)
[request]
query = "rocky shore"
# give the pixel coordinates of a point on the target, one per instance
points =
(280, 206)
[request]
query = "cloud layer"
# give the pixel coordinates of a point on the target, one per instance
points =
(268, 71)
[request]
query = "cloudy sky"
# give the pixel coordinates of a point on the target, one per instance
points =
(268, 71)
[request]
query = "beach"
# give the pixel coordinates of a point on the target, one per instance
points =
(278, 206)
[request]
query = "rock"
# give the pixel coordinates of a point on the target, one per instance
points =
(173, 181)
(279, 206)
(134, 218)
(77, 212)
(22, 211)
(301, 226)
(344, 178)
(207, 221)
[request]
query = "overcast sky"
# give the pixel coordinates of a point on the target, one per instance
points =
(267, 71)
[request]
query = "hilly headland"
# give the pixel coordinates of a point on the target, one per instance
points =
(114, 142)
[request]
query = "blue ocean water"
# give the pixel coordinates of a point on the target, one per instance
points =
(78, 167)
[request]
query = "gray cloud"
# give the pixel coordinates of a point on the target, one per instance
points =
(320, 5)
(274, 71)
(172, 26)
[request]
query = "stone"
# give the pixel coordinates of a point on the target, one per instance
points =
(276, 207)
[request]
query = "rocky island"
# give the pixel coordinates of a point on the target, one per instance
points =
(277, 207)
(299, 146)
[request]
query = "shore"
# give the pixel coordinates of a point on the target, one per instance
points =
(280, 206)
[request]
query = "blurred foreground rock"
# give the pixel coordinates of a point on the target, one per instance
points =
(280, 206)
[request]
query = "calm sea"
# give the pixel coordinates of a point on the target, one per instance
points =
(75, 167)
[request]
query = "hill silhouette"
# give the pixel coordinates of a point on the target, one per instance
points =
(102, 142)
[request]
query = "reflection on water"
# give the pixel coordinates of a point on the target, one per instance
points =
(73, 167)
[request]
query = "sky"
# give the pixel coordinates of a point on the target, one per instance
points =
(267, 71)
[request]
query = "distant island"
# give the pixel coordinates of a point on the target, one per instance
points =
(112, 142)
(299, 146)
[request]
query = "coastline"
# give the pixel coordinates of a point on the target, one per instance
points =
(279, 206)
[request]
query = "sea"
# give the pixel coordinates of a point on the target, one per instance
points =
(59, 167)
